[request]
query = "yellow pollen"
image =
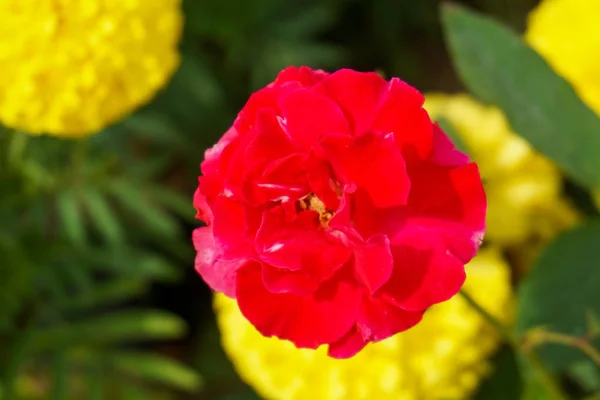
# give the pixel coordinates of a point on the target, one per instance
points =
(313, 203)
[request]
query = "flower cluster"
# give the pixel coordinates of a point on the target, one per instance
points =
(71, 67)
(337, 212)
(444, 357)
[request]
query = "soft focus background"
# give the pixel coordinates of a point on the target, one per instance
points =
(99, 298)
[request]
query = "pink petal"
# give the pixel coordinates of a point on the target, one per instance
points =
(305, 76)
(203, 211)
(269, 140)
(213, 157)
(357, 93)
(229, 228)
(449, 193)
(298, 243)
(426, 271)
(374, 163)
(347, 346)
(279, 280)
(402, 113)
(357, 210)
(378, 319)
(321, 182)
(444, 151)
(308, 116)
(281, 180)
(219, 274)
(373, 262)
(307, 321)
(234, 164)
(267, 97)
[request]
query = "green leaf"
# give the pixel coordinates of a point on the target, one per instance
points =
(71, 218)
(561, 288)
(116, 327)
(587, 374)
(138, 204)
(95, 381)
(505, 381)
(133, 263)
(453, 134)
(60, 377)
(102, 216)
(174, 201)
(155, 126)
(103, 295)
(593, 324)
(499, 68)
(157, 368)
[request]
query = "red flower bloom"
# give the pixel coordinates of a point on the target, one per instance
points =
(336, 211)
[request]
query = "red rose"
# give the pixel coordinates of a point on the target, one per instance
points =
(336, 211)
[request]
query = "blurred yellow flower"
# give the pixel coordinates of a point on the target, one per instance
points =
(566, 34)
(442, 357)
(71, 67)
(523, 188)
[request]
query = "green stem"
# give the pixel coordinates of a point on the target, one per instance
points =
(530, 358)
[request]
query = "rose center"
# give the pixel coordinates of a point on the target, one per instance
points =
(313, 203)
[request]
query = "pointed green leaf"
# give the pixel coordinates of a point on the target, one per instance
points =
(103, 217)
(71, 218)
(560, 288)
(116, 327)
(148, 214)
(499, 68)
(157, 368)
(103, 295)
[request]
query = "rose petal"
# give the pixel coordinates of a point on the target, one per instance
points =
(281, 180)
(278, 280)
(213, 159)
(449, 193)
(350, 344)
(373, 162)
(357, 93)
(321, 182)
(299, 243)
(357, 210)
(308, 116)
(219, 274)
(444, 151)
(373, 262)
(378, 319)
(229, 228)
(267, 97)
(402, 113)
(307, 321)
(269, 140)
(305, 76)
(426, 272)
(233, 173)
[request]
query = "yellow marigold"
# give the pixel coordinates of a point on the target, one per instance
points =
(523, 188)
(442, 357)
(565, 33)
(71, 67)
